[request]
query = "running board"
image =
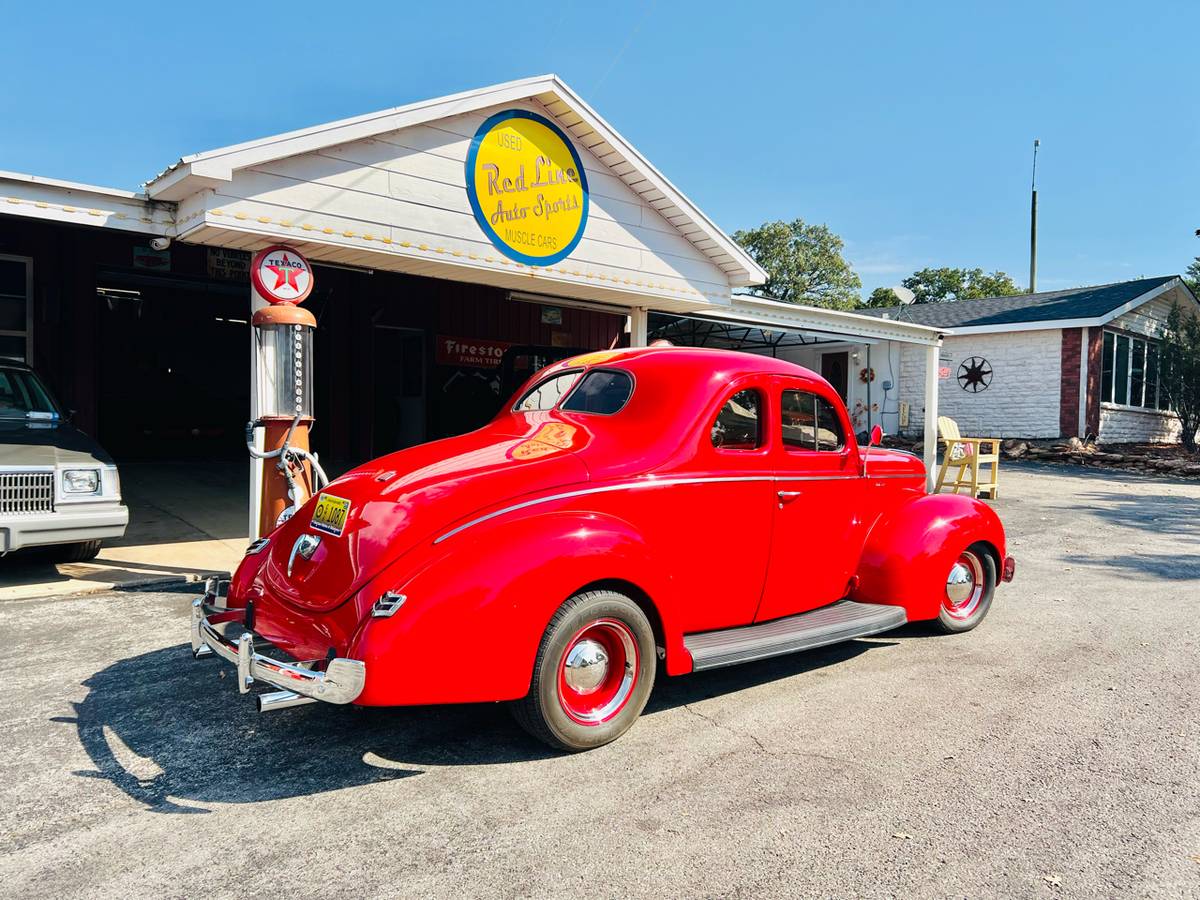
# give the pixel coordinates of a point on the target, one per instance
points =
(839, 621)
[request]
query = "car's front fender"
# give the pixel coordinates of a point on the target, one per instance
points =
(475, 611)
(909, 551)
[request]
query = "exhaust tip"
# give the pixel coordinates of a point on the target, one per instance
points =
(280, 700)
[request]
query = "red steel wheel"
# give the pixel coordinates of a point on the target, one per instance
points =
(970, 584)
(599, 671)
(593, 673)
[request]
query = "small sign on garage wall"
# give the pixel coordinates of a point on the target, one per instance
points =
(149, 258)
(459, 351)
(551, 315)
(228, 265)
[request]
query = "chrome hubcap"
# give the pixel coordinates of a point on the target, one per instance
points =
(586, 667)
(598, 671)
(964, 586)
(960, 583)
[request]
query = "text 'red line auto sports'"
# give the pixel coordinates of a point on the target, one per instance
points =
(630, 510)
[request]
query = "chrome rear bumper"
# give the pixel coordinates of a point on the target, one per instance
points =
(338, 680)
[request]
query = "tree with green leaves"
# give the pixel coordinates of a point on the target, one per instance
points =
(882, 296)
(1192, 276)
(1179, 372)
(803, 263)
(938, 285)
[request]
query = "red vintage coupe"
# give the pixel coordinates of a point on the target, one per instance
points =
(695, 507)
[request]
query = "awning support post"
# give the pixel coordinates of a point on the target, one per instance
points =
(932, 358)
(257, 376)
(639, 326)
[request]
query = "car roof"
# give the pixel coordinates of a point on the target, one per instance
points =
(701, 360)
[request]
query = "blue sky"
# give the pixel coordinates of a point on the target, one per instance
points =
(906, 127)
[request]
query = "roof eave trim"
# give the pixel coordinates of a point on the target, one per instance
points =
(849, 324)
(1091, 322)
(754, 274)
(205, 170)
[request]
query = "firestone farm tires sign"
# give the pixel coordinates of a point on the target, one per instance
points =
(281, 275)
(527, 187)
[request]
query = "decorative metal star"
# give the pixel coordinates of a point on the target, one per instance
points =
(975, 374)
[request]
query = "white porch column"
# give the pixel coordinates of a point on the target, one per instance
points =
(932, 354)
(639, 325)
(256, 465)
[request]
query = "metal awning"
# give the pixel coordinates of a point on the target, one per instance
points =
(705, 331)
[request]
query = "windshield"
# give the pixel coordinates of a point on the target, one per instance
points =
(22, 396)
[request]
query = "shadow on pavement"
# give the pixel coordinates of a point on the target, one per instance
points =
(1169, 513)
(171, 732)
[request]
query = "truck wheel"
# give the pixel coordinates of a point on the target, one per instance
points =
(81, 552)
(970, 584)
(593, 673)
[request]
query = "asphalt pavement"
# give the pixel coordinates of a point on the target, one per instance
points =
(1053, 751)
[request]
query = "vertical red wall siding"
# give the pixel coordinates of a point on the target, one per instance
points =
(1068, 409)
(1095, 361)
(474, 311)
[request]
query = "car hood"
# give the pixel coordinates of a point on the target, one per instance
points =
(405, 498)
(33, 443)
(886, 461)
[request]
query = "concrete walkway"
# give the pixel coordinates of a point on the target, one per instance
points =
(186, 521)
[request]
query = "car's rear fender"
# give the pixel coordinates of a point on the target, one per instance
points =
(475, 611)
(910, 550)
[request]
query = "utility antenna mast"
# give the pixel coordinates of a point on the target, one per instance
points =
(1033, 224)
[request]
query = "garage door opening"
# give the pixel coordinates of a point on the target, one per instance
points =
(173, 376)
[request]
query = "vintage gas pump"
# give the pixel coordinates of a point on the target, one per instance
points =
(282, 340)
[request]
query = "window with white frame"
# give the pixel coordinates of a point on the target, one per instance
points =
(1129, 371)
(16, 306)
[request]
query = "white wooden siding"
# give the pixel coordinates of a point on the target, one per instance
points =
(409, 187)
(1149, 318)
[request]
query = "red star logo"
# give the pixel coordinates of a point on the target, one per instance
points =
(285, 274)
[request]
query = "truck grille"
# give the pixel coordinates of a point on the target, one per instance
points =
(26, 492)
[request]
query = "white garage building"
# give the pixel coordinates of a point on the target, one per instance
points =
(1045, 365)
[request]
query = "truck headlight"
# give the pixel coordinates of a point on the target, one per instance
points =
(81, 481)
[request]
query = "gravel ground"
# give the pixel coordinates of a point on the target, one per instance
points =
(1055, 750)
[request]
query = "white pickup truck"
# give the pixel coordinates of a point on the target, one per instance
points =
(57, 486)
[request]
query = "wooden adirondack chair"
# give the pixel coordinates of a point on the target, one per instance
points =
(968, 455)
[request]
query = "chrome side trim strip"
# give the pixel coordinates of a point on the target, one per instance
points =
(603, 489)
(662, 482)
(819, 477)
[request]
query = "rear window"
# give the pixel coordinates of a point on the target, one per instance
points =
(546, 394)
(602, 392)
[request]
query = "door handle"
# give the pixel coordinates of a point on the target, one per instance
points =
(786, 497)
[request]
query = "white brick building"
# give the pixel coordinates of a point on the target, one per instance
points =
(1014, 366)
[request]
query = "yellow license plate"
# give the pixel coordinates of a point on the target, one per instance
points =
(330, 514)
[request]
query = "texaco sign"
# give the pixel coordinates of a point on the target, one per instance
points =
(281, 275)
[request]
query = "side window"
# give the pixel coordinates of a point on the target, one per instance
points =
(829, 427)
(810, 422)
(739, 423)
(602, 392)
(546, 394)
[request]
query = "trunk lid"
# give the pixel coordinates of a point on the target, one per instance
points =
(393, 503)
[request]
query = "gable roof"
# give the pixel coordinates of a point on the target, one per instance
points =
(1091, 305)
(210, 168)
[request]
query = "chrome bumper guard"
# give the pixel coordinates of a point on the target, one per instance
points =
(340, 681)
